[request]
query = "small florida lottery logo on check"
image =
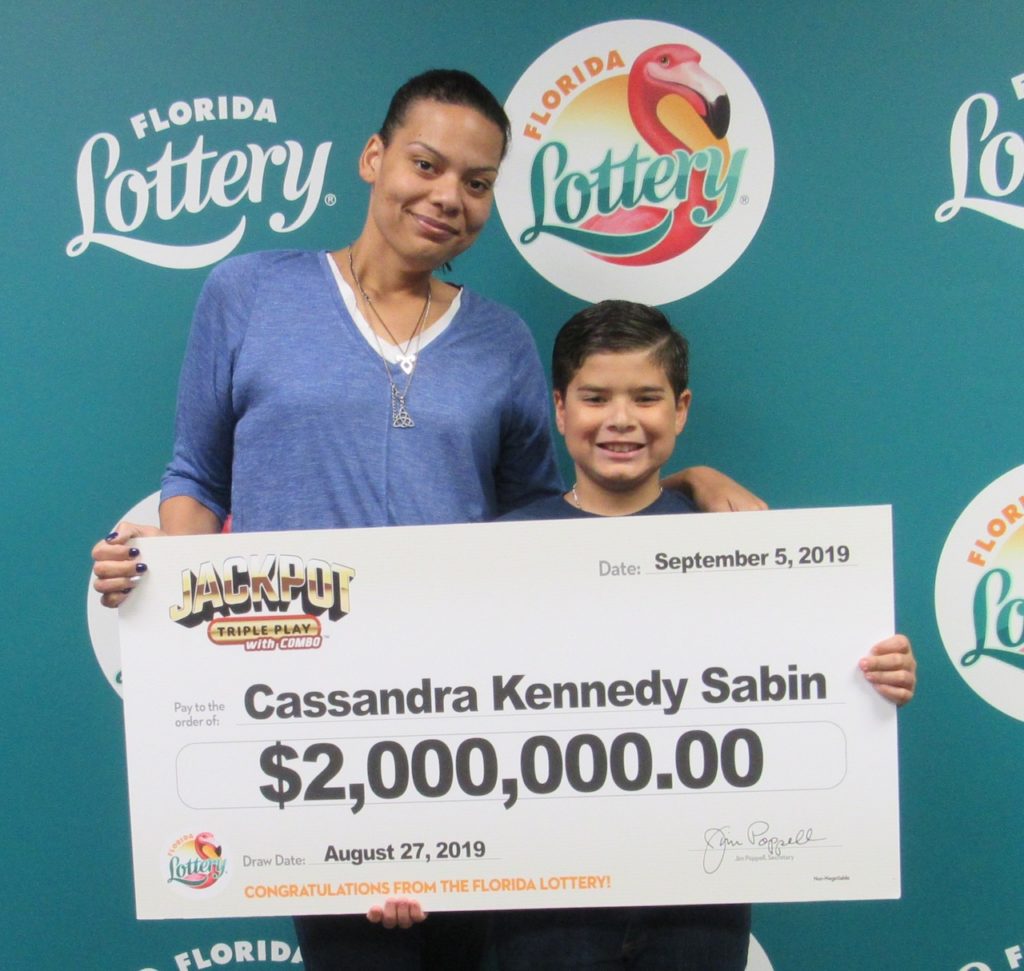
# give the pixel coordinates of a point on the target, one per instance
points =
(195, 862)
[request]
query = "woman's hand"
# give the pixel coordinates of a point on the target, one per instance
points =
(116, 563)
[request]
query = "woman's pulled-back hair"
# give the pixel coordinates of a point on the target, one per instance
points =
(449, 87)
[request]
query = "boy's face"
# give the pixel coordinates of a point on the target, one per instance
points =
(620, 419)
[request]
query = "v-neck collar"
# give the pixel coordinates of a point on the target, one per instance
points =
(381, 345)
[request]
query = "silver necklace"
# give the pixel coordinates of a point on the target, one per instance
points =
(406, 360)
(400, 417)
(576, 498)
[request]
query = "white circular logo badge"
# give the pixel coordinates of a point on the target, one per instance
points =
(641, 163)
(979, 594)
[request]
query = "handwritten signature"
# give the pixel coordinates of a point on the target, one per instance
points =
(717, 842)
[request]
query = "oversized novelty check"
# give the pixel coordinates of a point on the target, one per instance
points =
(595, 712)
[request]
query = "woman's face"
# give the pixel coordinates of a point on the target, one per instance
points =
(433, 183)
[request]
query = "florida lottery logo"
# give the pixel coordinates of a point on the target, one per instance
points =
(641, 162)
(144, 194)
(979, 594)
(195, 862)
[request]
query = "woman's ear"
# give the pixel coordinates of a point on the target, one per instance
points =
(369, 160)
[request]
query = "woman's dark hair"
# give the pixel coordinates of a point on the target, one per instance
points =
(450, 87)
(614, 326)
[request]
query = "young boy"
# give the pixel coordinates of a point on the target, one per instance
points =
(620, 375)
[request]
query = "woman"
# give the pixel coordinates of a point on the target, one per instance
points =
(354, 389)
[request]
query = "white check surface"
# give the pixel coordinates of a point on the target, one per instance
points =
(599, 712)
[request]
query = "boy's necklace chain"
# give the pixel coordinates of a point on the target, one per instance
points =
(576, 498)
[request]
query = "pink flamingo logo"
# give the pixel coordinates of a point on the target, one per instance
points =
(204, 869)
(660, 72)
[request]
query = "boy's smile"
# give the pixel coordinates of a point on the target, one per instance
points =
(620, 418)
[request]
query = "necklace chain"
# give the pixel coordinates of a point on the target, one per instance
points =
(578, 505)
(400, 417)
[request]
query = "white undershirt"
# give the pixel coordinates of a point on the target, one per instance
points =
(390, 352)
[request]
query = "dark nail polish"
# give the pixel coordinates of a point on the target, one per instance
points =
(128, 590)
(134, 551)
(112, 536)
(141, 567)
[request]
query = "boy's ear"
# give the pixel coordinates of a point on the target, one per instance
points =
(369, 160)
(559, 411)
(682, 410)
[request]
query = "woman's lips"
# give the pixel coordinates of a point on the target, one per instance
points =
(435, 229)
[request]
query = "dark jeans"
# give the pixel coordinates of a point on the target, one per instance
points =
(706, 938)
(443, 942)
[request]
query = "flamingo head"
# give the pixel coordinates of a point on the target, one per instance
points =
(675, 69)
(206, 846)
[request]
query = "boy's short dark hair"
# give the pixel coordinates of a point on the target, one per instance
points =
(619, 325)
(450, 87)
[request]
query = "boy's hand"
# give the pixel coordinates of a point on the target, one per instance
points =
(397, 912)
(713, 491)
(891, 668)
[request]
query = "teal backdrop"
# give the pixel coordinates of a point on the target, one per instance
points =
(859, 351)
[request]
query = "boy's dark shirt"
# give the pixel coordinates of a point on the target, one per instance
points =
(719, 931)
(556, 507)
